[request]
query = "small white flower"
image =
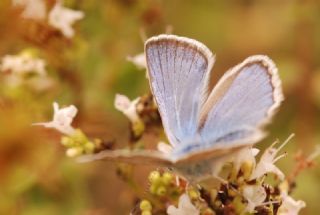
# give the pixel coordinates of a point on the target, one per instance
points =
(237, 158)
(314, 154)
(62, 119)
(63, 18)
(267, 162)
(22, 64)
(255, 195)
(39, 84)
(138, 60)
(127, 107)
(245, 155)
(218, 164)
(185, 207)
(33, 9)
(290, 206)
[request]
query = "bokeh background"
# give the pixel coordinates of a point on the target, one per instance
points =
(89, 69)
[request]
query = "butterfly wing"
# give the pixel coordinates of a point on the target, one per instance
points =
(178, 71)
(129, 156)
(244, 99)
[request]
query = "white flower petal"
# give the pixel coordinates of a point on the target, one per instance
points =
(290, 206)
(255, 194)
(237, 158)
(62, 119)
(63, 18)
(244, 155)
(139, 60)
(122, 102)
(185, 207)
(23, 64)
(127, 107)
(164, 147)
(266, 163)
(33, 9)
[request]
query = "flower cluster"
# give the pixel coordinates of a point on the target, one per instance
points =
(76, 142)
(244, 190)
(141, 112)
(239, 188)
(59, 17)
(22, 64)
(25, 68)
(62, 119)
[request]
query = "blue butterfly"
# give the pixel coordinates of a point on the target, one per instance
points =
(201, 126)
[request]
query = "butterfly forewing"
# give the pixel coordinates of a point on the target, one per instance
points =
(178, 69)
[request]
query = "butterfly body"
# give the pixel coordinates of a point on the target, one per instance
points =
(202, 127)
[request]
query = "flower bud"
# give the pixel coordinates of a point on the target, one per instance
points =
(89, 147)
(167, 178)
(154, 176)
(153, 189)
(145, 205)
(67, 141)
(193, 194)
(75, 151)
(161, 191)
(146, 213)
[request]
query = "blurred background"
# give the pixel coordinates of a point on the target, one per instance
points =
(88, 68)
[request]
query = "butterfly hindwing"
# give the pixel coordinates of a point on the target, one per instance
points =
(129, 156)
(244, 99)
